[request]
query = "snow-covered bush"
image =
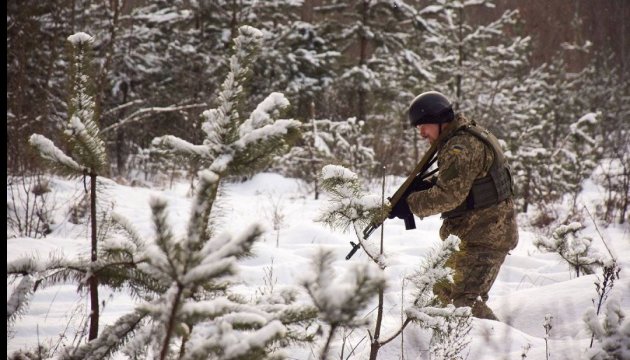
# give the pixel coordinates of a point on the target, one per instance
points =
(340, 300)
(572, 248)
(612, 332)
(29, 206)
(326, 141)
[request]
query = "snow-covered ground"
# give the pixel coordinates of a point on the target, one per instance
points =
(530, 285)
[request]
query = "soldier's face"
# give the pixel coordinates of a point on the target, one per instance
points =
(429, 131)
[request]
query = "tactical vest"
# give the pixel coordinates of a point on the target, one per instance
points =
(491, 189)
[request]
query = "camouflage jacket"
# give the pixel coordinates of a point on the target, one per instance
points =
(462, 158)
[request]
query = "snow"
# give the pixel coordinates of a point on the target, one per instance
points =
(49, 151)
(264, 113)
(530, 285)
(334, 171)
(80, 38)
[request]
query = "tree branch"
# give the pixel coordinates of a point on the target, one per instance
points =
(145, 112)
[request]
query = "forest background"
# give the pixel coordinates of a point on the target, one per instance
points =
(528, 71)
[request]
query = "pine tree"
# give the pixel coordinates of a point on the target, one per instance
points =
(572, 248)
(36, 76)
(295, 60)
(155, 67)
(476, 64)
(350, 208)
(340, 299)
(326, 141)
(606, 91)
(87, 148)
(184, 280)
(234, 145)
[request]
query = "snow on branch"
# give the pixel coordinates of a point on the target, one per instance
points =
(177, 145)
(349, 205)
(80, 38)
(18, 301)
(144, 113)
(265, 113)
(201, 208)
(90, 147)
(111, 339)
(432, 270)
(52, 153)
(340, 299)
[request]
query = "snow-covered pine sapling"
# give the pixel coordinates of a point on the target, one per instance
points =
(276, 215)
(349, 206)
(603, 287)
(451, 338)
(572, 248)
(234, 144)
(326, 141)
(612, 333)
(191, 312)
(451, 325)
(547, 326)
(187, 310)
(89, 157)
(340, 300)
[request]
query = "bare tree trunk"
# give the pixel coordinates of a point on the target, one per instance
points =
(376, 344)
(93, 280)
(362, 111)
(120, 137)
(460, 61)
(171, 324)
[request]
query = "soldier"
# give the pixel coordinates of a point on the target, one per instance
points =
(473, 192)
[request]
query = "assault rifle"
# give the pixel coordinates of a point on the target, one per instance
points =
(419, 174)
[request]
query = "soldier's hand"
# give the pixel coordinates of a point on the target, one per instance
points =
(420, 185)
(400, 210)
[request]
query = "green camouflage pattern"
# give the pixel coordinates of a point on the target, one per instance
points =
(487, 234)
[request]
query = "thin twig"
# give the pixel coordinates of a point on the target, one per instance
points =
(143, 113)
(599, 233)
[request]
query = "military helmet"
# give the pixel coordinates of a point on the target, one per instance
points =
(430, 107)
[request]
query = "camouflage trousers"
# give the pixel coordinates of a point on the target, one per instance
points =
(487, 235)
(475, 270)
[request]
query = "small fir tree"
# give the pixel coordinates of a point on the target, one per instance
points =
(612, 332)
(187, 310)
(350, 208)
(88, 149)
(572, 248)
(233, 144)
(340, 300)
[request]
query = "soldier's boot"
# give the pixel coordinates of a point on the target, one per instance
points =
(479, 308)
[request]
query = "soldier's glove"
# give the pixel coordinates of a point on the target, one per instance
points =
(419, 185)
(400, 210)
